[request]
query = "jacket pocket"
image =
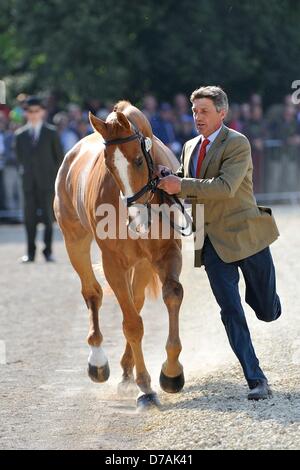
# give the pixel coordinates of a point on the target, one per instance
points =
(241, 214)
(268, 210)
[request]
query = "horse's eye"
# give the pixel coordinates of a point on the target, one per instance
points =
(139, 161)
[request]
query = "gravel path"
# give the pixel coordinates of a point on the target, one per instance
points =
(47, 400)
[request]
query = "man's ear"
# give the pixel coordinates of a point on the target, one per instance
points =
(223, 114)
(122, 119)
(99, 125)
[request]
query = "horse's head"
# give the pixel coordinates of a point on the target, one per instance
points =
(124, 154)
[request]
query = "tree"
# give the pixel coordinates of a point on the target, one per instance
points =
(109, 50)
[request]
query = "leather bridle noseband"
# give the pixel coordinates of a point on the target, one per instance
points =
(151, 185)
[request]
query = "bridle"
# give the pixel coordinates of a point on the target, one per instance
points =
(151, 185)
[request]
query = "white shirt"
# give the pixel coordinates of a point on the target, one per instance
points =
(36, 130)
(194, 160)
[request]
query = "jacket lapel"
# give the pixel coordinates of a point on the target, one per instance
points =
(27, 135)
(41, 136)
(189, 155)
(219, 140)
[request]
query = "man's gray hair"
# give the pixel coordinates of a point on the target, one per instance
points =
(214, 93)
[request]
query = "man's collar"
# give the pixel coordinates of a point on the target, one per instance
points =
(37, 126)
(212, 137)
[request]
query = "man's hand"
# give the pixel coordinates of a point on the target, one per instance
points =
(171, 184)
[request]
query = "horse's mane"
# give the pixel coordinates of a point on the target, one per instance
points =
(134, 115)
(161, 153)
(122, 105)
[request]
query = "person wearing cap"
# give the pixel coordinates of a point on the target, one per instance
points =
(216, 171)
(40, 154)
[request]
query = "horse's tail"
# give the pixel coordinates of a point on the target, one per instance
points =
(154, 285)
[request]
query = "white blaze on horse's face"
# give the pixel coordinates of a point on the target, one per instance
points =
(122, 165)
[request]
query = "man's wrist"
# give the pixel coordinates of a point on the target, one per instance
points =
(185, 189)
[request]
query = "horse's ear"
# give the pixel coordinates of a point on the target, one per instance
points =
(98, 125)
(122, 119)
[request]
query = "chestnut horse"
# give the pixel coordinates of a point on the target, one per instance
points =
(103, 166)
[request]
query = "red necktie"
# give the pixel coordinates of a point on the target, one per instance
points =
(201, 156)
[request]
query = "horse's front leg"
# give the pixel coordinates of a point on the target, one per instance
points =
(142, 276)
(133, 328)
(169, 268)
(79, 254)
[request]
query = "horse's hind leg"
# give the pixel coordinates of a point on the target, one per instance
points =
(141, 278)
(78, 248)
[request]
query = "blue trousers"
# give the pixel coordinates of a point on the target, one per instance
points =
(259, 274)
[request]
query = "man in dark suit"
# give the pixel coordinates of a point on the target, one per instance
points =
(39, 153)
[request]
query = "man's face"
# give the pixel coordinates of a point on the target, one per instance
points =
(35, 114)
(207, 118)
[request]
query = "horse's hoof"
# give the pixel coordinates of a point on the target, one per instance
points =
(99, 374)
(127, 388)
(171, 384)
(147, 401)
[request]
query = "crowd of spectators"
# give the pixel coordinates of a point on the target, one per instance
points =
(273, 131)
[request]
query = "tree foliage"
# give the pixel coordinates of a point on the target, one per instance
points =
(124, 48)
